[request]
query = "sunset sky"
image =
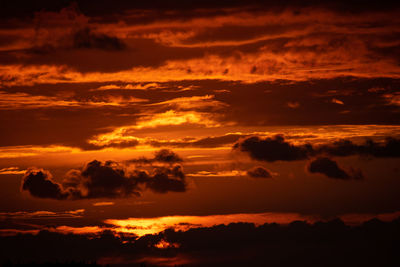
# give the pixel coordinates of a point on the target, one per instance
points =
(139, 116)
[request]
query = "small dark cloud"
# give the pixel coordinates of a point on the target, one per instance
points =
(86, 38)
(273, 149)
(105, 180)
(259, 172)
(331, 169)
(167, 156)
(161, 156)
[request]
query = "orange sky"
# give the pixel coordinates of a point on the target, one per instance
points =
(203, 115)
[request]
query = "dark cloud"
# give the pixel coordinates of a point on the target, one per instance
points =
(161, 181)
(388, 149)
(331, 169)
(184, 9)
(85, 38)
(167, 156)
(259, 172)
(276, 148)
(161, 156)
(273, 149)
(39, 183)
(89, 52)
(105, 180)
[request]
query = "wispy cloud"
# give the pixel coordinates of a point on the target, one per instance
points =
(43, 214)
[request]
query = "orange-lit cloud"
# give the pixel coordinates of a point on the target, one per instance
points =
(143, 226)
(25, 101)
(170, 117)
(42, 214)
(26, 151)
(233, 173)
(103, 203)
(193, 102)
(11, 170)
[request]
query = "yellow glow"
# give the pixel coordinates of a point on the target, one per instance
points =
(170, 117)
(144, 226)
(78, 230)
(164, 244)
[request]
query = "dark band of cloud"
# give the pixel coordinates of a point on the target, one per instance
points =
(236, 244)
(275, 148)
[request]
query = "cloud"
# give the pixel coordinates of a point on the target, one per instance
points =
(231, 173)
(86, 38)
(193, 103)
(103, 203)
(283, 43)
(107, 180)
(42, 214)
(390, 148)
(272, 149)
(331, 169)
(161, 156)
(259, 172)
(11, 170)
(167, 156)
(124, 135)
(276, 148)
(161, 181)
(21, 101)
(40, 184)
(211, 141)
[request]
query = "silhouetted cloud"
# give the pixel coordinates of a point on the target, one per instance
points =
(167, 156)
(259, 172)
(331, 169)
(39, 183)
(273, 149)
(388, 149)
(107, 180)
(161, 156)
(161, 181)
(276, 148)
(86, 38)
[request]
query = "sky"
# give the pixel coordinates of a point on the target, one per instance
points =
(125, 119)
